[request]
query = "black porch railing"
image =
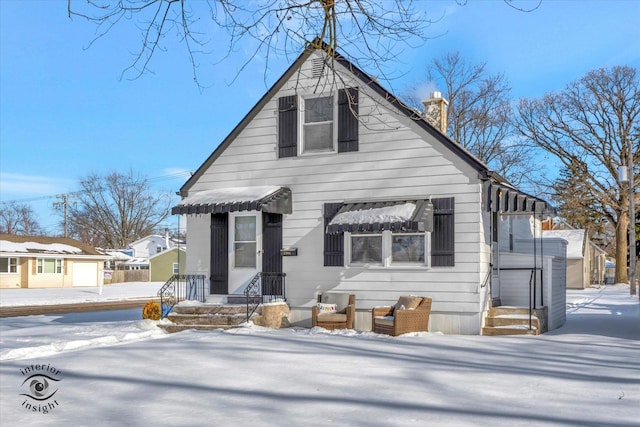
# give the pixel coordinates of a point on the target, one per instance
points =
(264, 287)
(181, 287)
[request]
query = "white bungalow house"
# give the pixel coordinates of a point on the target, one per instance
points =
(49, 262)
(334, 183)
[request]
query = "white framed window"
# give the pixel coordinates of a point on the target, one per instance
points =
(176, 268)
(8, 265)
(49, 266)
(245, 242)
(388, 249)
(318, 130)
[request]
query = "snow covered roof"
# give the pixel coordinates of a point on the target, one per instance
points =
(414, 215)
(118, 255)
(137, 261)
(43, 245)
(173, 249)
(574, 238)
(396, 213)
(266, 198)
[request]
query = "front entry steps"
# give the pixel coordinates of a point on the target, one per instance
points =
(505, 320)
(205, 317)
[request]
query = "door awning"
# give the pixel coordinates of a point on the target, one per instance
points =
(362, 217)
(265, 198)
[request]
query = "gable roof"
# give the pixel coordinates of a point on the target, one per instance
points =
(369, 82)
(182, 250)
(11, 243)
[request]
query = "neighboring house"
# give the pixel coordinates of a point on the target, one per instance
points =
(585, 260)
(151, 245)
(117, 259)
(334, 182)
(47, 262)
(165, 264)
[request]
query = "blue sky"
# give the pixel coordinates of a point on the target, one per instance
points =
(65, 112)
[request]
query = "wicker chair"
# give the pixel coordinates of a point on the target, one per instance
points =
(410, 314)
(344, 316)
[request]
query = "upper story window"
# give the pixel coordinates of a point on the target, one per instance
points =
(8, 265)
(318, 125)
(49, 266)
(176, 268)
(328, 124)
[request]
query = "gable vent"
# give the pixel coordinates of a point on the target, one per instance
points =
(317, 67)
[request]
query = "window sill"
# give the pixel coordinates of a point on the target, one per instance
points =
(391, 267)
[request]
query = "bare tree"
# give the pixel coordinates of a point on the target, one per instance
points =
(114, 210)
(479, 114)
(18, 218)
(372, 30)
(589, 128)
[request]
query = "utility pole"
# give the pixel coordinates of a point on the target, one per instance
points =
(63, 203)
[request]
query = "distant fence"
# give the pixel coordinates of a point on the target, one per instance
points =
(121, 276)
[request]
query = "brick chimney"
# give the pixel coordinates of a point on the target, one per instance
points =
(435, 111)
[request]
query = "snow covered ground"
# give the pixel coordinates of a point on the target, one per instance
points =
(111, 368)
(114, 292)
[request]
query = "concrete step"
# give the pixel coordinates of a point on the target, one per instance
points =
(512, 319)
(210, 309)
(506, 309)
(179, 328)
(207, 319)
(507, 320)
(509, 330)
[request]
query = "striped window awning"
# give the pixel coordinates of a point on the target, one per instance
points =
(502, 198)
(368, 217)
(264, 198)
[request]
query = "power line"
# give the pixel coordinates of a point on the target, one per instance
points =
(74, 193)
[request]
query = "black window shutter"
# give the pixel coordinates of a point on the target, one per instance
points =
(443, 235)
(348, 120)
(288, 126)
(333, 243)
